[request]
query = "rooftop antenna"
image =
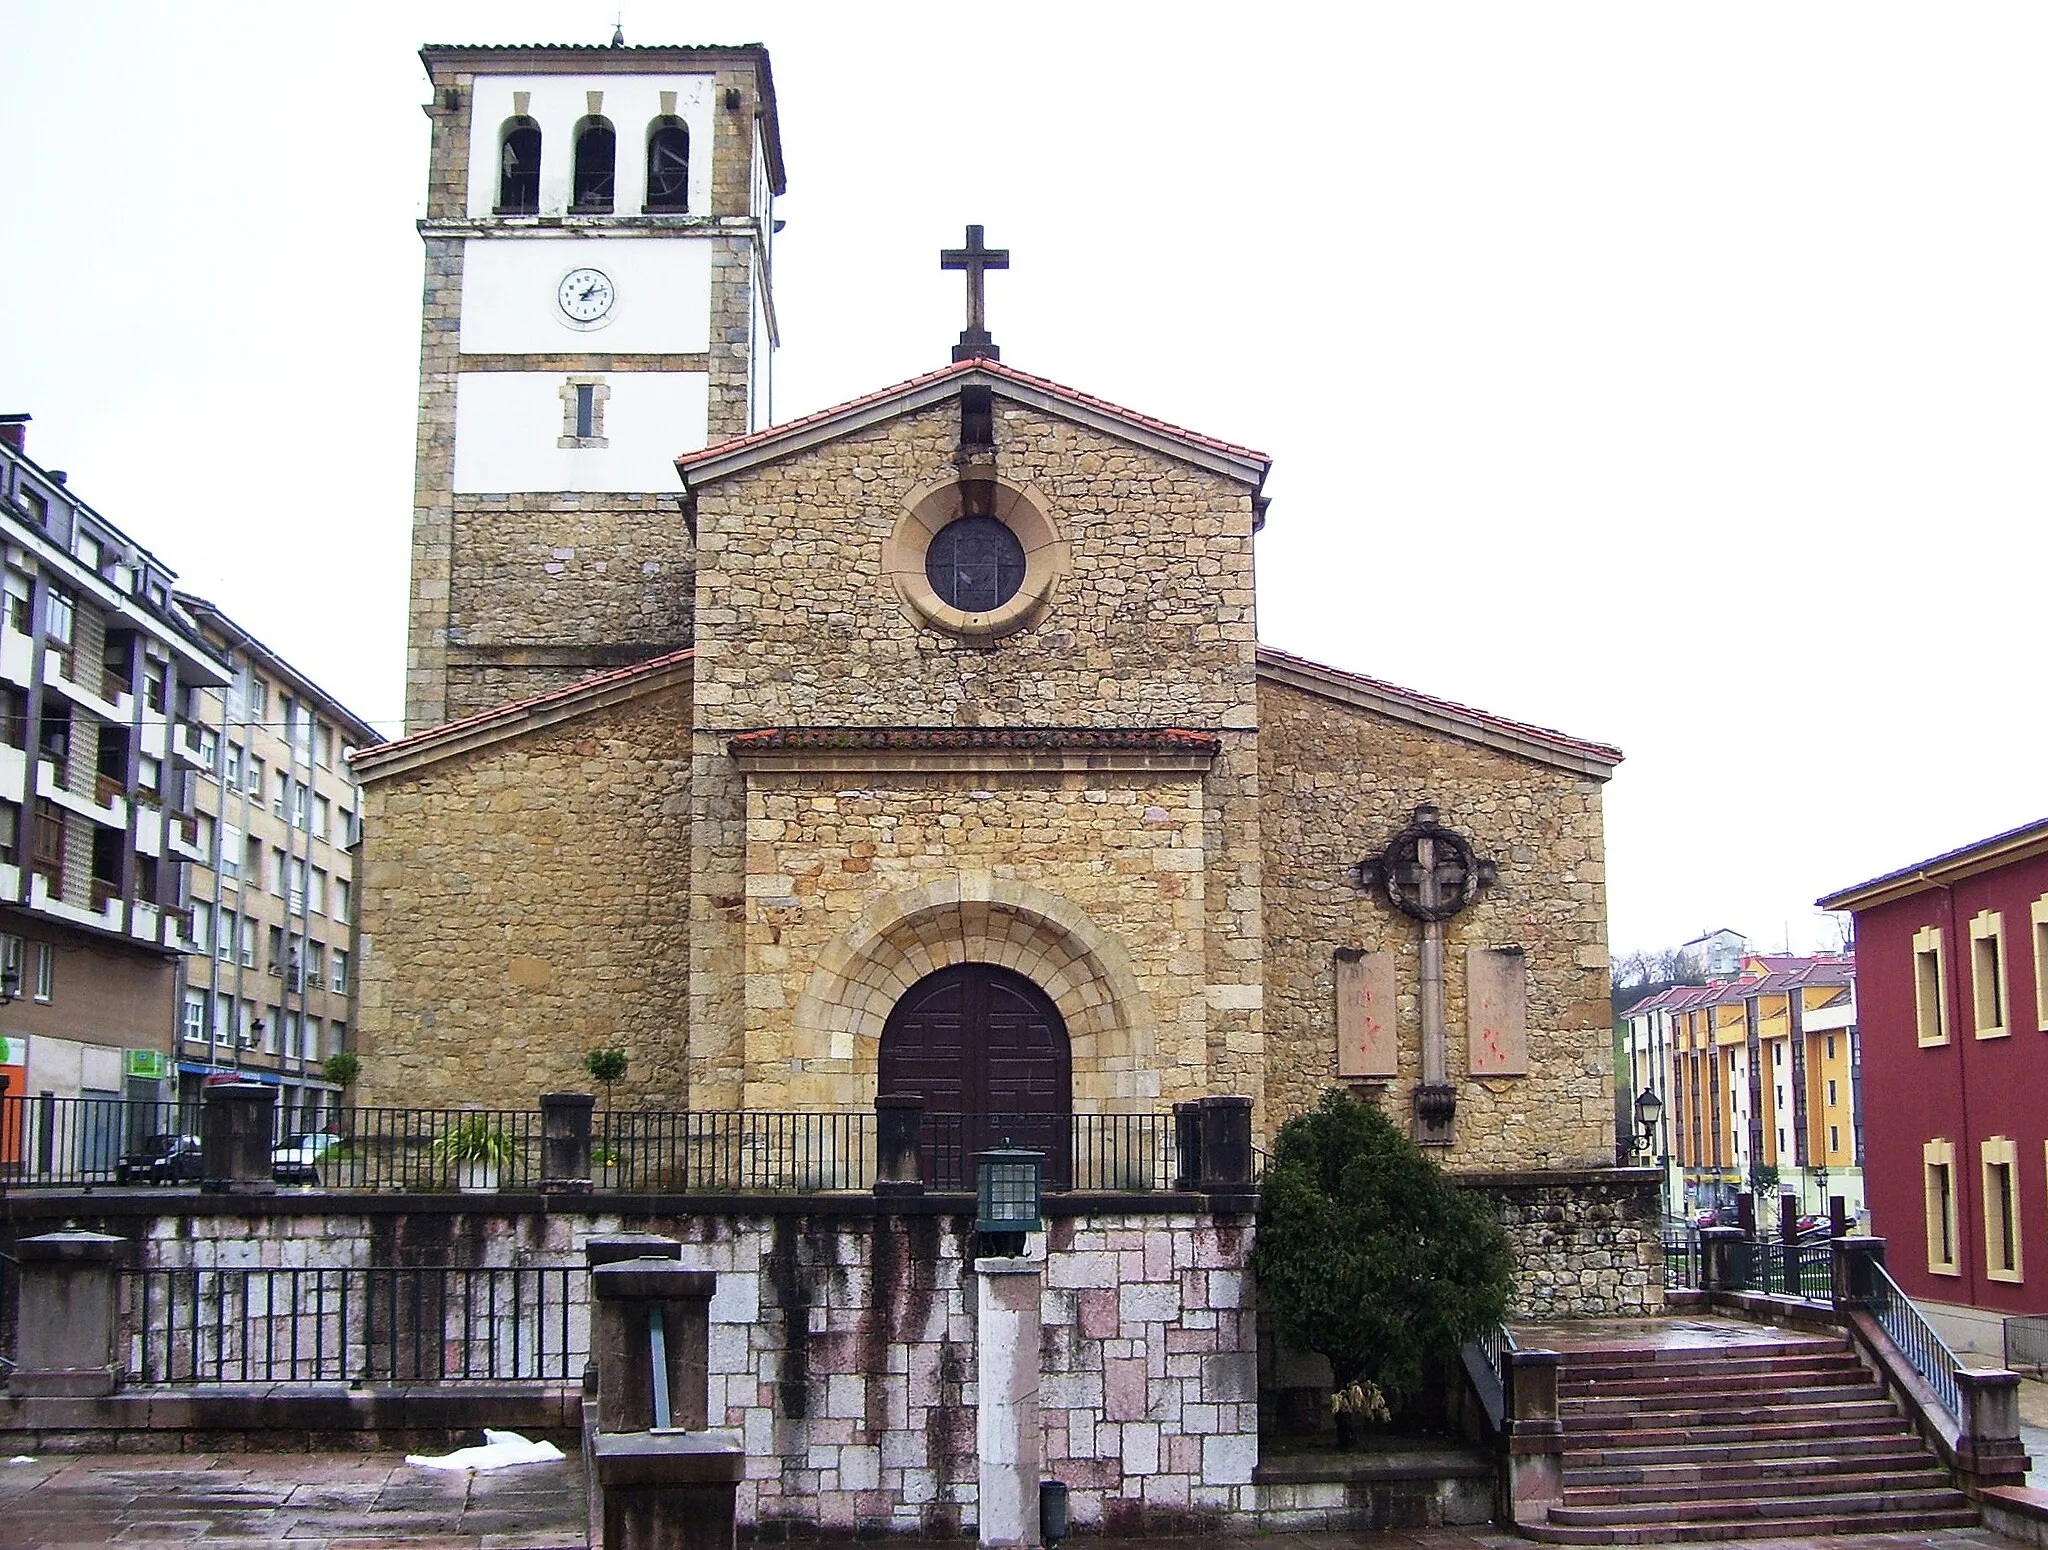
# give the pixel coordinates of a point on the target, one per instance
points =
(619, 31)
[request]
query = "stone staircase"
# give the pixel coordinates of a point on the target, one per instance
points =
(1783, 1437)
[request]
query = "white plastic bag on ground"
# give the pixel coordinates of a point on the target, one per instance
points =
(499, 1451)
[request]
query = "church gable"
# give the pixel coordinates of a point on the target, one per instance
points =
(1341, 775)
(1113, 586)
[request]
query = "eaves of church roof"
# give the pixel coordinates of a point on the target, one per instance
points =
(521, 716)
(728, 457)
(1540, 744)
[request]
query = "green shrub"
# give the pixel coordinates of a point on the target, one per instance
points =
(473, 1140)
(342, 1068)
(1369, 1253)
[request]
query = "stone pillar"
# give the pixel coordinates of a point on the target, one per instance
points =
(1788, 1217)
(1855, 1284)
(565, 1143)
(239, 1120)
(67, 1329)
(1535, 1436)
(609, 1249)
(1006, 1426)
(1745, 1213)
(899, 1144)
(672, 1491)
(1718, 1248)
(1988, 1448)
(622, 1293)
(1187, 1145)
(1226, 1154)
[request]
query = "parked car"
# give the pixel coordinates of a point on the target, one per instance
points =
(164, 1159)
(296, 1160)
(1707, 1218)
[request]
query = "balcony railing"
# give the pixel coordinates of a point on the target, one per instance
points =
(374, 1325)
(49, 1142)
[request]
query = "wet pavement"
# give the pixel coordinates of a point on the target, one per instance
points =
(1702, 1333)
(322, 1501)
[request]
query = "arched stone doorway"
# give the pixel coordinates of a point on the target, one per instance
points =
(987, 1051)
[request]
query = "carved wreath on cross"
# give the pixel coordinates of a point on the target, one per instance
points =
(1397, 870)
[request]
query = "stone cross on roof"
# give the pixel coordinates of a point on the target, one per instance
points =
(976, 259)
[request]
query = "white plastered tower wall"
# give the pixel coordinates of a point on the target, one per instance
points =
(548, 540)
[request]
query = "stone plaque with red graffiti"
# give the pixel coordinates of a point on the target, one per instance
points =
(1365, 1015)
(1497, 1011)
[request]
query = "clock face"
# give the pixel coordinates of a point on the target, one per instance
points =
(585, 295)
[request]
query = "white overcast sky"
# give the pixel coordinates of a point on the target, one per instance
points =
(1672, 375)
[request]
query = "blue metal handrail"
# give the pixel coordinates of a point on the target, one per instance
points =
(1927, 1353)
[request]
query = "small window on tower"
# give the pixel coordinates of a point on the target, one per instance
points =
(586, 410)
(519, 167)
(583, 400)
(597, 154)
(668, 166)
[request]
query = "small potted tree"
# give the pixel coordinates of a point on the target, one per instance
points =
(475, 1150)
(606, 1066)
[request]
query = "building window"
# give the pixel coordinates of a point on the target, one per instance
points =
(337, 1038)
(202, 835)
(47, 855)
(10, 834)
(325, 744)
(597, 155)
(13, 717)
(298, 722)
(339, 984)
(209, 749)
(341, 899)
(519, 167)
(295, 893)
(1778, 1056)
(309, 1039)
(1831, 1092)
(583, 403)
(277, 859)
(223, 1018)
(60, 616)
(316, 899)
(248, 942)
(975, 564)
(231, 772)
(668, 166)
(1987, 974)
(1930, 989)
(2001, 1208)
(10, 962)
(230, 852)
(2039, 914)
(300, 796)
(19, 590)
(283, 794)
(252, 777)
(323, 811)
(195, 1016)
(46, 972)
(1831, 1046)
(202, 926)
(1834, 1138)
(1938, 1162)
(156, 684)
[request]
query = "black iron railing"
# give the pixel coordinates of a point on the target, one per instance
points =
(1802, 1268)
(2026, 1342)
(1925, 1350)
(84, 1141)
(1683, 1266)
(385, 1324)
(687, 1151)
(95, 1142)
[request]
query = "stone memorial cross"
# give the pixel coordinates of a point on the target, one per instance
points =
(1430, 873)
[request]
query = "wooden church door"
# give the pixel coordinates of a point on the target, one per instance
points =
(987, 1051)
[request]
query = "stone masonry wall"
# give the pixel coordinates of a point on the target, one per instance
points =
(1586, 1244)
(520, 906)
(843, 1348)
(797, 624)
(1338, 783)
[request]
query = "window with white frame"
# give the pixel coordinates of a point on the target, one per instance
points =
(248, 943)
(316, 898)
(46, 971)
(2038, 914)
(337, 1038)
(323, 812)
(342, 892)
(202, 926)
(1930, 988)
(2000, 1160)
(340, 981)
(295, 895)
(1938, 1167)
(195, 1017)
(231, 771)
(1987, 975)
(309, 1039)
(230, 852)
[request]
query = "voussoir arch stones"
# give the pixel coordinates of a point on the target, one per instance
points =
(978, 918)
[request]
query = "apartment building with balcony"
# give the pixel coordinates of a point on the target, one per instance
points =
(266, 992)
(102, 679)
(1760, 1075)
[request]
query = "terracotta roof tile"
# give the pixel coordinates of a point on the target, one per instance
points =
(606, 679)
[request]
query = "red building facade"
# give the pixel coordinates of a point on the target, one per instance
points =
(1951, 965)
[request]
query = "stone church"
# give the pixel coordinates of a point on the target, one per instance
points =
(922, 744)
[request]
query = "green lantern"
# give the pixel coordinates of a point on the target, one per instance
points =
(1008, 1183)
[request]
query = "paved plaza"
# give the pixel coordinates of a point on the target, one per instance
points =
(333, 1501)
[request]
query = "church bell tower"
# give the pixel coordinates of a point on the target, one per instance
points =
(597, 302)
